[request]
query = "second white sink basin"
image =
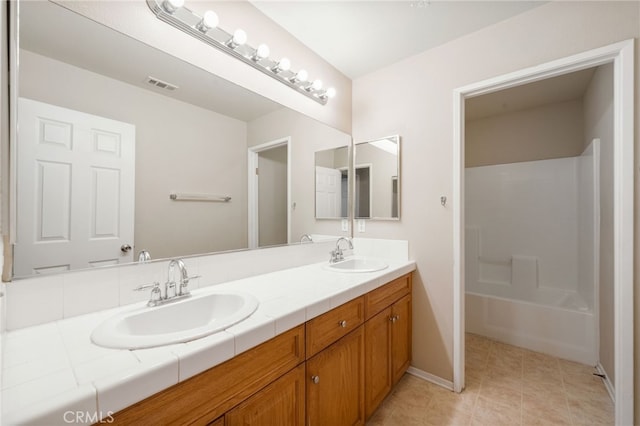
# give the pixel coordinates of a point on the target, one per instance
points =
(176, 322)
(357, 264)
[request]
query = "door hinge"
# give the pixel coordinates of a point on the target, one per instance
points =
(256, 170)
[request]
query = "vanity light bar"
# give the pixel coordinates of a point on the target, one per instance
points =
(205, 28)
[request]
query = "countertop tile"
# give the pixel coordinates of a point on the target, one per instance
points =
(77, 406)
(55, 365)
(199, 355)
(129, 386)
(20, 397)
(104, 367)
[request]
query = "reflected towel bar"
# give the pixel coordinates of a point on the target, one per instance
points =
(200, 197)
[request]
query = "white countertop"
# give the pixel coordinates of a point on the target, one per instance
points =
(53, 373)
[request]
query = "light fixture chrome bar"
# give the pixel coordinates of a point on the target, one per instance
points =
(188, 22)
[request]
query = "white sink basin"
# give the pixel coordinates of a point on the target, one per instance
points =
(176, 322)
(357, 264)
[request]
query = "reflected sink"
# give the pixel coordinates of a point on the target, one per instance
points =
(357, 264)
(176, 322)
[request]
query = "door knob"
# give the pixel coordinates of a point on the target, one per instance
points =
(125, 248)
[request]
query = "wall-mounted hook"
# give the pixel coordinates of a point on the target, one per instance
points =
(443, 201)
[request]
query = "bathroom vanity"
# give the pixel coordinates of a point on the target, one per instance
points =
(334, 369)
(323, 346)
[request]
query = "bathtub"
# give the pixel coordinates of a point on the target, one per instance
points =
(562, 326)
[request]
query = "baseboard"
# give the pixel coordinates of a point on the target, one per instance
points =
(607, 383)
(430, 378)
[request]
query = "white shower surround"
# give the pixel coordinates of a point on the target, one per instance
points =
(531, 241)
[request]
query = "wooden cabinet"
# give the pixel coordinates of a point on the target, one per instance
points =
(335, 383)
(331, 326)
(282, 403)
(217, 422)
(388, 340)
(354, 355)
(378, 377)
(210, 394)
(400, 337)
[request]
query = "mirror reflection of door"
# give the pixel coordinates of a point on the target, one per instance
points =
(328, 192)
(272, 196)
(394, 196)
(363, 197)
(377, 190)
(75, 190)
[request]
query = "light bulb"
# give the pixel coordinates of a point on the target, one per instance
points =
(331, 92)
(302, 75)
(171, 6)
(316, 85)
(209, 21)
(261, 52)
(239, 37)
(284, 64)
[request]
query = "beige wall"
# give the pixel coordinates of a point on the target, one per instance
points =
(135, 19)
(307, 137)
(414, 98)
(272, 197)
(202, 152)
(598, 120)
(549, 131)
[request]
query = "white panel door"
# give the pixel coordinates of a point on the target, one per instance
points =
(328, 192)
(75, 190)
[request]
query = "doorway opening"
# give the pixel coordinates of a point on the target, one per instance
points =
(620, 55)
(269, 193)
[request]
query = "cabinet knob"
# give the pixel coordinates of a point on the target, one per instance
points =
(315, 379)
(343, 324)
(394, 318)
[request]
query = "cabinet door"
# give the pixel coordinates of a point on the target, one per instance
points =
(217, 422)
(378, 377)
(400, 337)
(279, 404)
(335, 383)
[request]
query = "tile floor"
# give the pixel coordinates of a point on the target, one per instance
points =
(506, 385)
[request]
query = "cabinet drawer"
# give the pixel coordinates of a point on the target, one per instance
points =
(380, 298)
(331, 326)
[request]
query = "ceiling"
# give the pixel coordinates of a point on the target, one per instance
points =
(563, 88)
(65, 38)
(361, 36)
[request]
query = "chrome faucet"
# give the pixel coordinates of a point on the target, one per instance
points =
(144, 256)
(172, 291)
(306, 238)
(337, 255)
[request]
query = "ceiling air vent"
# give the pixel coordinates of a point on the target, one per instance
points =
(161, 84)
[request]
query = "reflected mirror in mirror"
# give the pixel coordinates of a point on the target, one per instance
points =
(377, 179)
(103, 142)
(332, 183)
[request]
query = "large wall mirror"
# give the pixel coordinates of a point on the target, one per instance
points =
(377, 179)
(109, 128)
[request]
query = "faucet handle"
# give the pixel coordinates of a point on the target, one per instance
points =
(185, 282)
(153, 285)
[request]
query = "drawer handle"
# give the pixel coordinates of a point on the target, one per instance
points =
(315, 379)
(343, 324)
